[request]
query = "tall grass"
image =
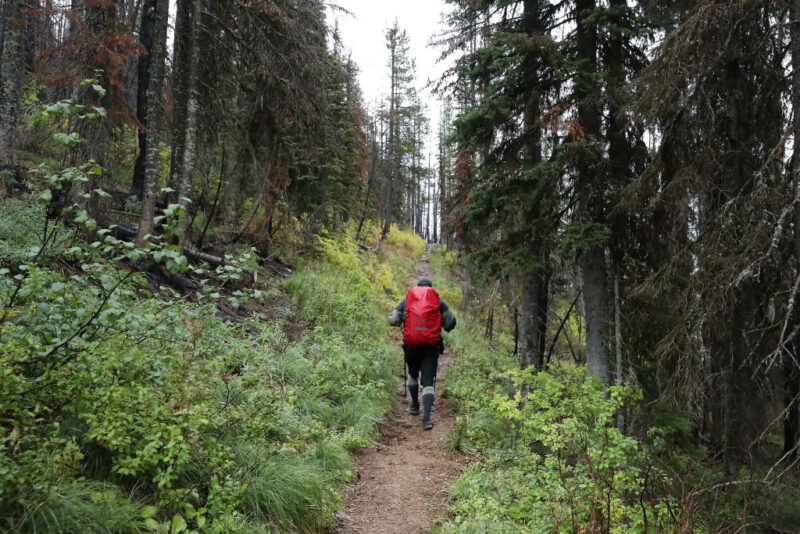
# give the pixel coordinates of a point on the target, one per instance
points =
(286, 492)
(80, 507)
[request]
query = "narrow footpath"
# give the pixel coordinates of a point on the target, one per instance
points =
(402, 483)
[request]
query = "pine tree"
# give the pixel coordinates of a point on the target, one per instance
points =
(398, 119)
(506, 165)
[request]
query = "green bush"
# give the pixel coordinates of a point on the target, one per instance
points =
(124, 411)
(550, 458)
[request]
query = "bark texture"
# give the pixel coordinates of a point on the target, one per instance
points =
(791, 366)
(591, 196)
(595, 301)
(143, 73)
(154, 109)
(10, 78)
(190, 135)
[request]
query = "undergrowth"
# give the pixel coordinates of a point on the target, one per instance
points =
(545, 454)
(172, 416)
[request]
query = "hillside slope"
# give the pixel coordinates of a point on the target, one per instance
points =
(228, 408)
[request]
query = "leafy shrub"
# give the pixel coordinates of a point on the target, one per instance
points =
(551, 460)
(406, 239)
(174, 416)
(20, 227)
(555, 462)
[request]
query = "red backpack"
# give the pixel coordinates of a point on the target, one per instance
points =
(423, 326)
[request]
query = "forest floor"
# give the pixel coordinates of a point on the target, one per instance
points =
(402, 484)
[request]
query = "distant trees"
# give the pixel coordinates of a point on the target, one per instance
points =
(405, 126)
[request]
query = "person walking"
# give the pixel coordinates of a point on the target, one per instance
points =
(423, 315)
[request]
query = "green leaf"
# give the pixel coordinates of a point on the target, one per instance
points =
(148, 511)
(152, 524)
(46, 196)
(99, 89)
(178, 524)
(67, 140)
(62, 107)
(101, 193)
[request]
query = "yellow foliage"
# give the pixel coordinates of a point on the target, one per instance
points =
(341, 252)
(451, 295)
(370, 233)
(406, 238)
(386, 279)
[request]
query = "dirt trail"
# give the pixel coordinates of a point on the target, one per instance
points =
(402, 484)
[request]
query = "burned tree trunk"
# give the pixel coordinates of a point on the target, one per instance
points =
(143, 73)
(153, 111)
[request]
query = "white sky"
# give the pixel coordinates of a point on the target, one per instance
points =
(363, 35)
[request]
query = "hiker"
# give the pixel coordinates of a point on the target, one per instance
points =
(424, 314)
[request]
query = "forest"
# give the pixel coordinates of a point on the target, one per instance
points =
(204, 224)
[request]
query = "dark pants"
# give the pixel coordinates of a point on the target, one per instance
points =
(423, 361)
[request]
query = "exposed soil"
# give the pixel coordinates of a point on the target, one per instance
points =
(402, 483)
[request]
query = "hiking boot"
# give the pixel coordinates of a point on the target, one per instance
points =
(414, 410)
(427, 424)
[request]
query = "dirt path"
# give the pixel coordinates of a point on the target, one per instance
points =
(402, 484)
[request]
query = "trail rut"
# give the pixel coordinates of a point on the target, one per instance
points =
(402, 482)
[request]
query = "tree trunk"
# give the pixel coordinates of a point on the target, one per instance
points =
(3, 5)
(619, 372)
(595, 300)
(374, 159)
(11, 71)
(154, 110)
(143, 74)
(533, 323)
(591, 192)
(190, 140)
(180, 91)
(791, 369)
(791, 391)
(387, 200)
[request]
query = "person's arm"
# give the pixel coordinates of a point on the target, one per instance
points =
(448, 318)
(398, 315)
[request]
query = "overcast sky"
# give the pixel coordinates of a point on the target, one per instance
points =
(363, 35)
